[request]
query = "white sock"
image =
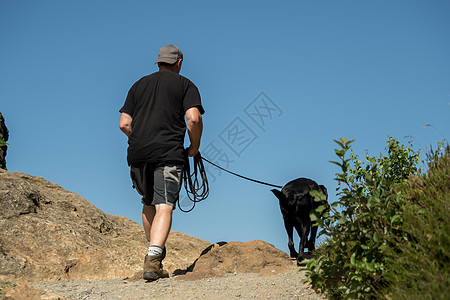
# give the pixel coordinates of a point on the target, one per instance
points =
(154, 250)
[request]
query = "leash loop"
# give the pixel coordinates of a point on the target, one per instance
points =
(196, 190)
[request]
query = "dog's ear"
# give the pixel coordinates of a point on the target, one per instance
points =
(275, 192)
(279, 195)
(324, 190)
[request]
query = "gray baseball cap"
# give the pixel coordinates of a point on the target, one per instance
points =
(169, 54)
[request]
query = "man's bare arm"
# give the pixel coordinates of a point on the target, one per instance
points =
(194, 127)
(125, 123)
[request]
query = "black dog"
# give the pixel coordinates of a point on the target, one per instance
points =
(296, 204)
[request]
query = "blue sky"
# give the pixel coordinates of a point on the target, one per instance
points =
(363, 70)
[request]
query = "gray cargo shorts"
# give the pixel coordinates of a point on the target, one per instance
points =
(157, 183)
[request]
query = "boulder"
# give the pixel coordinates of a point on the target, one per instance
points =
(222, 259)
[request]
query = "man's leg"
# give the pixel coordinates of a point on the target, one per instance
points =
(148, 215)
(160, 227)
(157, 221)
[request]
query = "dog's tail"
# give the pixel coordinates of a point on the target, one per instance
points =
(279, 195)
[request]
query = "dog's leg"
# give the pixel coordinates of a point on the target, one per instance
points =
(290, 229)
(288, 219)
(312, 239)
(303, 232)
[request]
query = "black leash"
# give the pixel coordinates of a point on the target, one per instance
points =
(198, 191)
(246, 178)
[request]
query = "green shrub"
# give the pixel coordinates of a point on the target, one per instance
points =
(388, 234)
(361, 224)
(420, 267)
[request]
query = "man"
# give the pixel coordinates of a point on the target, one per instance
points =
(153, 119)
(3, 139)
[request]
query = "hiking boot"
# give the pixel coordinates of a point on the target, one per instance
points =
(153, 268)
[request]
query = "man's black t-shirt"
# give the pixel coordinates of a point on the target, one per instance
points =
(157, 104)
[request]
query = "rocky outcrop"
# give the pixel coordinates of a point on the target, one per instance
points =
(48, 234)
(4, 135)
(224, 258)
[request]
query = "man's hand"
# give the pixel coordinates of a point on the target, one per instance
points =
(194, 128)
(191, 151)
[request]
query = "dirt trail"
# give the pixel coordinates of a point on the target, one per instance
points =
(287, 285)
